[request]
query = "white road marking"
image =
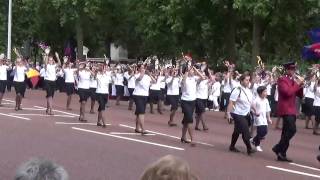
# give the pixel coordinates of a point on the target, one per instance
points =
(134, 134)
(129, 139)
(9, 103)
(8, 100)
(307, 167)
(294, 172)
(29, 109)
(28, 119)
(162, 134)
(66, 123)
(54, 110)
(44, 115)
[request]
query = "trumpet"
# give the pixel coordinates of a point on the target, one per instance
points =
(298, 78)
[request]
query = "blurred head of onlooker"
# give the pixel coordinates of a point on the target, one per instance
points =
(41, 169)
(168, 168)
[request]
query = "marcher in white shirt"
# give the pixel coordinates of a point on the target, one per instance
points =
(308, 92)
(226, 91)
(118, 79)
(188, 98)
(155, 93)
(215, 93)
(19, 72)
(3, 77)
(141, 93)
(92, 87)
(50, 79)
(262, 117)
(201, 101)
(173, 86)
(84, 75)
(239, 108)
(129, 76)
(102, 92)
(69, 79)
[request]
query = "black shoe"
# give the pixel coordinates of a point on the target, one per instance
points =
(318, 157)
(137, 131)
(316, 133)
(234, 149)
(143, 133)
(197, 129)
(275, 151)
(250, 151)
(184, 141)
(104, 126)
(283, 158)
(99, 124)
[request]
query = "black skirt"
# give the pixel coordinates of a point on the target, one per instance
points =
(140, 102)
(308, 106)
(92, 94)
(20, 87)
(119, 90)
(50, 88)
(201, 105)
(154, 96)
(83, 94)
(3, 84)
(173, 100)
(102, 100)
(187, 110)
(70, 88)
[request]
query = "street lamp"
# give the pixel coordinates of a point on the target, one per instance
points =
(9, 29)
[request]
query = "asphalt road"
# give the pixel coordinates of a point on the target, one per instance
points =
(89, 152)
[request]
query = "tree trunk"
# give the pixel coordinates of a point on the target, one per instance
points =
(79, 32)
(231, 33)
(256, 39)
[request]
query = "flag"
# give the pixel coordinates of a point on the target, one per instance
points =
(311, 51)
(314, 35)
(34, 76)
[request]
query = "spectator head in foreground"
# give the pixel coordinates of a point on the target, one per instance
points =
(168, 168)
(40, 169)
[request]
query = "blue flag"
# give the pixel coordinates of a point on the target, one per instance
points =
(314, 35)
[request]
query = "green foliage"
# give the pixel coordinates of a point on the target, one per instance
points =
(168, 27)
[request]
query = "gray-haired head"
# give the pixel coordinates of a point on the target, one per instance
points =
(41, 169)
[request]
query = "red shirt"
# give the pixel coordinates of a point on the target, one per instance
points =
(288, 90)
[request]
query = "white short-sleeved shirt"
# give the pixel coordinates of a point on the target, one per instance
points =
(118, 79)
(202, 89)
(20, 73)
(93, 83)
(316, 101)
(42, 72)
(103, 81)
(215, 90)
(269, 87)
(308, 91)
(69, 75)
(3, 72)
(262, 107)
(51, 73)
(162, 82)
(173, 88)
(227, 87)
(243, 99)
(142, 86)
(235, 84)
(156, 86)
(84, 79)
(189, 89)
(131, 80)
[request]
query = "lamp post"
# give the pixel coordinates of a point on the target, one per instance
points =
(9, 29)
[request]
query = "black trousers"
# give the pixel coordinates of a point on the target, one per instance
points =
(288, 131)
(241, 126)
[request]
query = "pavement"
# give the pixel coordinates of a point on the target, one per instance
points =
(89, 152)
